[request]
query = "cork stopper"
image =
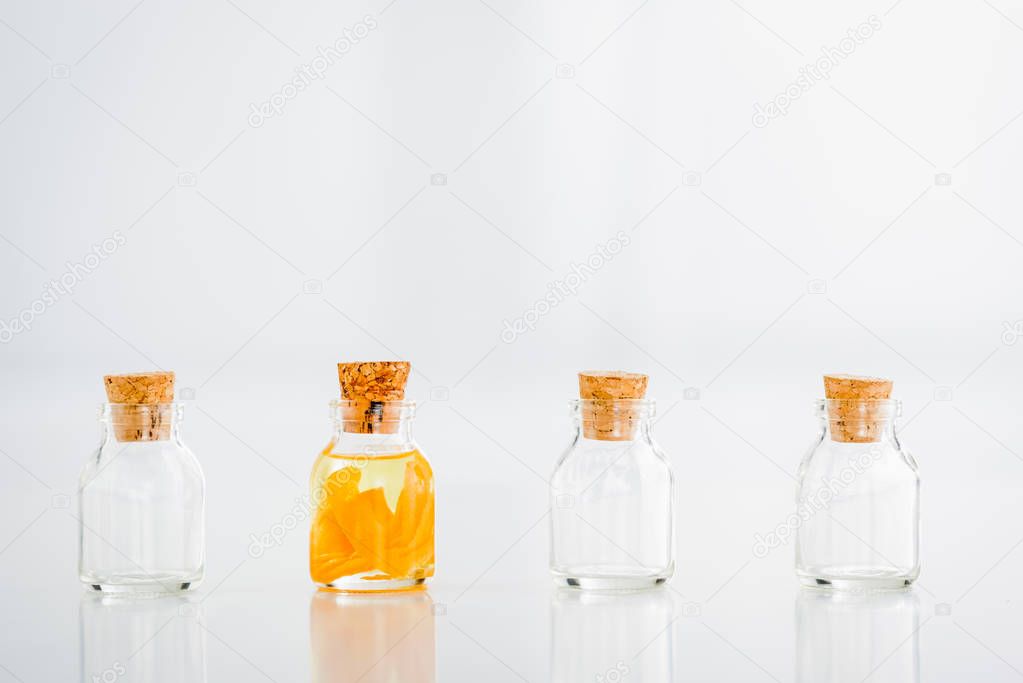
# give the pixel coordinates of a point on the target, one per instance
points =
(602, 418)
(368, 387)
(140, 410)
(853, 411)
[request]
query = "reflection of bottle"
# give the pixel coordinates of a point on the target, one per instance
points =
(156, 640)
(846, 636)
(370, 638)
(610, 637)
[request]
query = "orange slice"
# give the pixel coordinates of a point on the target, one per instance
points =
(329, 545)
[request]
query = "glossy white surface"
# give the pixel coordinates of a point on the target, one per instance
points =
(262, 620)
(423, 196)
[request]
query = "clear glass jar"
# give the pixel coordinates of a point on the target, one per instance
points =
(850, 637)
(612, 500)
(157, 640)
(372, 638)
(141, 504)
(373, 491)
(858, 501)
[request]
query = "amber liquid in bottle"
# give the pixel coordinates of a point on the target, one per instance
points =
(373, 520)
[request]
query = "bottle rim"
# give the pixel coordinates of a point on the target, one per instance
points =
(632, 407)
(854, 408)
(106, 411)
(384, 411)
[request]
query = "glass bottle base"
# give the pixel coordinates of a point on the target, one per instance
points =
(857, 580)
(605, 580)
(364, 586)
(145, 584)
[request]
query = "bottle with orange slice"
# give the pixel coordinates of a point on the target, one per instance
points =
(372, 488)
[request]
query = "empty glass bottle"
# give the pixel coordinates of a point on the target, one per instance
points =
(612, 492)
(858, 497)
(142, 494)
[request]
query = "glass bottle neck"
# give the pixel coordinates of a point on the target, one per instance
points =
(612, 420)
(356, 433)
(371, 426)
(620, 433)
(136, 422)
(858, 432)
(858, 421)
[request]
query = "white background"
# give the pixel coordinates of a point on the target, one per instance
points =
(256, 258)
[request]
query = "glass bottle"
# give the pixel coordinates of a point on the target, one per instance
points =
(142, 494)
(612, 492)
(858, 500)
(373, 527)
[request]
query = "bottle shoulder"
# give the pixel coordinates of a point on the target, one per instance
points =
(167, 459)
(584, 454)
(340, 448)
(828, 458)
